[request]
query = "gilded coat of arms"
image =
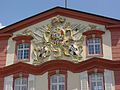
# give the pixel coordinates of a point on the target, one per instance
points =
(57, 39)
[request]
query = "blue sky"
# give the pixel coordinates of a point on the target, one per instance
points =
(12, 11)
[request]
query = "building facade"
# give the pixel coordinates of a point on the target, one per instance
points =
(61, 49)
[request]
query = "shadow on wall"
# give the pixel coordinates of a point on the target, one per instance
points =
(3, 51)
(106, 39)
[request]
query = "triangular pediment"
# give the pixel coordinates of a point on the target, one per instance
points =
(59, 11)
(58, 33)
(59, 37)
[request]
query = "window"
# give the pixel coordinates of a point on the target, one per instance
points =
(94, 46)
(96, 81)
(23, 51)
(94, 42)
(21, 83)
(57, 82)
(22, 48)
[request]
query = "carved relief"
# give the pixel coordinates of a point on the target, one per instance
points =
(59, 38)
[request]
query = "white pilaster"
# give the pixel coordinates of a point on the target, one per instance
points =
(84, 80)
(8, 83)
(109, 80)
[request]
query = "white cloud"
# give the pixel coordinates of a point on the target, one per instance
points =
(1, 26)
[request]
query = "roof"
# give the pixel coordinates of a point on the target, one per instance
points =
(80, 15)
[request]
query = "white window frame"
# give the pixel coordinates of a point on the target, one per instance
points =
(96, 78)
(58, 84)
(20, 85)
(94, 44)
(23, 49)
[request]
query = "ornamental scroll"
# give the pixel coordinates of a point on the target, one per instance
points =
(59, 38)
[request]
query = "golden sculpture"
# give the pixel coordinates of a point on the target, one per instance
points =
(59, 38)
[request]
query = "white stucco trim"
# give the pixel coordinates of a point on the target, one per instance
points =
(84, 81)
(8, 83)
(109, 80)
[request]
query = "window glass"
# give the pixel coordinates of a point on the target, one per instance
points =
(96, 81)
(20, 84)
(57, 82)
(94, 46)
(23, 51)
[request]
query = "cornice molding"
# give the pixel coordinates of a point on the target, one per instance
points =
(93, 63)
(117, 26)
(22, 37)
(59, 11)
(5, 36)
(96, 32)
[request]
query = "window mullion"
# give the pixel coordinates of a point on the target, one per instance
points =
(96, 81)
(100, 45)
(102, 82)
(23, 51)
(94, 45)
(20, 83)
(57, 82)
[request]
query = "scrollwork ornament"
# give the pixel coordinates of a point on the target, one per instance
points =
(57, 38)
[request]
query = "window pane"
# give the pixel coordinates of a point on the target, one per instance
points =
(54, 87)
(17, 81)
(96, 81)
(20, 84)
(91, 49)
(90, 41)
(20, 46)
(61, 87)
(20, 54)
(23, 51)
(61, 79)
(57, 82)
(54, 79)
(24, 81)
(24, 88)
(26, 45)
(97, 49)
(99, 83)
(97, 40)
(17, 88)
(94, 46)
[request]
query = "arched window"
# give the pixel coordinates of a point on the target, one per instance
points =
(57, 82)
(21, 83)
(96, 81)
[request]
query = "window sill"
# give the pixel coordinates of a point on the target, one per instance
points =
(22, 60)
(94, 55)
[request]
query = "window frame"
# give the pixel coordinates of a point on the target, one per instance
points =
(16, 51)
(20, 40)
(94, 33)
(101, 47)
(17, 76)
(54, 72)
(89, 78)
(23, 49)
(57, 83)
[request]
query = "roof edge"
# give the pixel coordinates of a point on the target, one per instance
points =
(113, 21)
